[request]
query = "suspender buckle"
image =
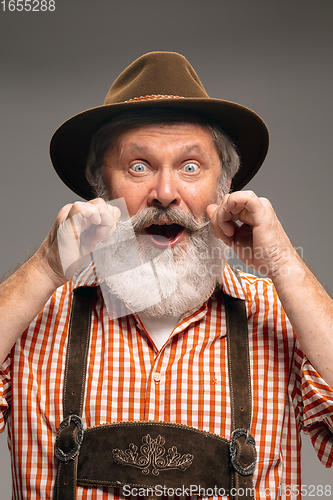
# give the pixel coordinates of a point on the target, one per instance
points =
(243, 451)
(69, 438)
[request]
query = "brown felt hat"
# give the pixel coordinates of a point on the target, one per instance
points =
(163, 79)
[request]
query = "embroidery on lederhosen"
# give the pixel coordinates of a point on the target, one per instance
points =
(152, 456)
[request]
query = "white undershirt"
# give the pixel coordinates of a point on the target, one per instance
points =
(159, 329)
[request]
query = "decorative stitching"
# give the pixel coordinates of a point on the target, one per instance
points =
(84, 371)
(67, 358)
(229, 368)
(155, 96)
(152, 456)
(153, 423)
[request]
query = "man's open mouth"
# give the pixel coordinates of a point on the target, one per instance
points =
(165, 234)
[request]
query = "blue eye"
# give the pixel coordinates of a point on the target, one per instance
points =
(139, 167)
(190, 168)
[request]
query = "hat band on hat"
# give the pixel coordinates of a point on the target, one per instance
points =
(155, 96)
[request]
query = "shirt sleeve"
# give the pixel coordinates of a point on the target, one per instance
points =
(5, 390)
(313, 399)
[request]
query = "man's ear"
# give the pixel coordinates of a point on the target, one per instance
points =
(228, 186)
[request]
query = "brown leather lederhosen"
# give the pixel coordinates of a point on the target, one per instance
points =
(132, 454)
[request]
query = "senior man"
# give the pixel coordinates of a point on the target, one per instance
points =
(139, 361)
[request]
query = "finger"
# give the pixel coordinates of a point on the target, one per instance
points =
(96, 212)
(108, 226)
(63, 213)
(211, 209)
(83, 214)
(221, 218)
(109, 217)
(103, 213)
(109, 214)
(94, 235)
(223, 230)
(245, 204)
(224, 213)
(76, 218)
(102, 232)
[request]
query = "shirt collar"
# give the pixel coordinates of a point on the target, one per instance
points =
(86, 276)
(232, 283)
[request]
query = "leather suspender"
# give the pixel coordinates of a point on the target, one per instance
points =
(239, 454)
(240, 389)
(70, 430)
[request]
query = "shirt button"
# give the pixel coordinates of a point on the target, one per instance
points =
(157, 377)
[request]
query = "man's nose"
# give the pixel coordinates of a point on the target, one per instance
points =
(164, 191)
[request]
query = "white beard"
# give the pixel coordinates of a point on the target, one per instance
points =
(160, 283)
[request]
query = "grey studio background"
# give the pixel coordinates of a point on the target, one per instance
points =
(272, 56)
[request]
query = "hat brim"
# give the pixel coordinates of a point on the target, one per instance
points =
(70, 143)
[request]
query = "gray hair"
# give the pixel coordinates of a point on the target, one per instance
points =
(107, 135)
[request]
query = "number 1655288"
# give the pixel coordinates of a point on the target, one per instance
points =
(28, 5)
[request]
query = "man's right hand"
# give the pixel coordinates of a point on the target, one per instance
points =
(79, 227)
(74, 235)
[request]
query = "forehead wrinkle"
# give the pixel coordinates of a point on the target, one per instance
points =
(143, 149)
(132, 148)
(189, 148)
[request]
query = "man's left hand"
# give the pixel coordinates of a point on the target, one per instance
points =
(259, 241)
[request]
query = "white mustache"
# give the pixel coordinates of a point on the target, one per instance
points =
(153, 215)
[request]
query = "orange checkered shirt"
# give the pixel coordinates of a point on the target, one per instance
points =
(192, 387)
